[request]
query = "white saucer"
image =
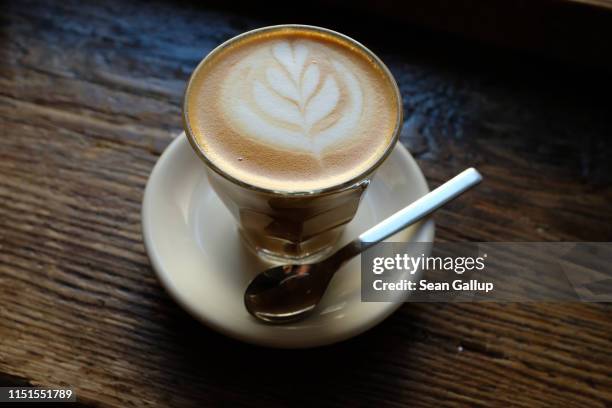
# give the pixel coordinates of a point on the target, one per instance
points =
(198, 256)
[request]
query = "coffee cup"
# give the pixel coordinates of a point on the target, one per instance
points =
(291, 122)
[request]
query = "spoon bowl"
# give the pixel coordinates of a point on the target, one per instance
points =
(287, 293)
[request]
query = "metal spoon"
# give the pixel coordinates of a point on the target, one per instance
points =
(288, 293)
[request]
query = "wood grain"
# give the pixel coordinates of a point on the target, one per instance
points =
(89, 98)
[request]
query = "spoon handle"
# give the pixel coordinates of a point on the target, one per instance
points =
(421, 207)
(409, 215)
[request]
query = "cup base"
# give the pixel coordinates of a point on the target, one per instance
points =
(283, 258)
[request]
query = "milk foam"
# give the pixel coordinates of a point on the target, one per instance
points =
(292, 91)
(292, 111)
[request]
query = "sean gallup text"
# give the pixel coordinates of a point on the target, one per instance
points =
(424, 285)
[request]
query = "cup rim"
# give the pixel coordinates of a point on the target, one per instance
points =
(330, 189)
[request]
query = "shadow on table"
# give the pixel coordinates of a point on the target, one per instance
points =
(331, 373)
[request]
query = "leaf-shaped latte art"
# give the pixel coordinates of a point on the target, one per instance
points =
(294, 98)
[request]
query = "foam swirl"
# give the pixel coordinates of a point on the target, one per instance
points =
(295, 98)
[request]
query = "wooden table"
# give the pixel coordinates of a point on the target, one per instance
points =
(89, 98)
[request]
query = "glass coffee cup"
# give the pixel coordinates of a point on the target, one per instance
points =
(349, 122)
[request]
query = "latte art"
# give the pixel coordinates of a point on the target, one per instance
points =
(292, 109)
(292, 101)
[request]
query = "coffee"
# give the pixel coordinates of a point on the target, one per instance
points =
(292, 109)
